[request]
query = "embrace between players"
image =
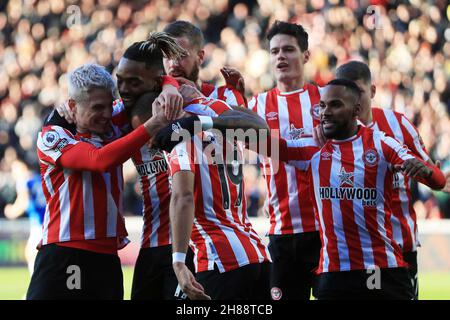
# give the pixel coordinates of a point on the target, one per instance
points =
(338, 190)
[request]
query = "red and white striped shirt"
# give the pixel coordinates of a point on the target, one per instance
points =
(154, 178)
(225, 93)
(153, 170)
(81, 205)
(404, 220)
(222, 234)
(294, 114)
(352, 183)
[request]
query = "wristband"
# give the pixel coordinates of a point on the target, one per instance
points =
(207, 122)
(178, 257)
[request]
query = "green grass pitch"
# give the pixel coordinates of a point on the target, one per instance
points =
(14, 283)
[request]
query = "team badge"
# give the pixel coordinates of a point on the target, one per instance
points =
(272, 116)
(370, 158)
(276, 293)
(51, 138)
(346, 178)
(315, 111)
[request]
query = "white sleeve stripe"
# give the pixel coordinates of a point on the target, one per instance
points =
(230, 98)
(413, 133)
(261, 108)
(183, 156)
(399, 150)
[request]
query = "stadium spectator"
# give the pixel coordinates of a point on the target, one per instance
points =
(30, 200)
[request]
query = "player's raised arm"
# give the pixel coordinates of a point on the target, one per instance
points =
(401, 158)
(60, 147)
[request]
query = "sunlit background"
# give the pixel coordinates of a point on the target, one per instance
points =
(406, 44)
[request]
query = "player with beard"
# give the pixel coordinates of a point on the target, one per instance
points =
(397, 126)
(187, 68)
(352, 178)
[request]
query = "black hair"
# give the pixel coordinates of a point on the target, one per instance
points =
(346, 83)
(152, 51)
(143, 106)
(291, 29)
(354, 70)
(181, 28)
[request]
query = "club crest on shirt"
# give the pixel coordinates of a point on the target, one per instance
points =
(296, 133)
(370, 158)
(345, 178)
(315, 111)
(51, 139)
(276, 293)
(272, 116)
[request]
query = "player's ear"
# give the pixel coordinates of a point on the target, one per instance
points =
(306, 56)
(357, 110)
(72, 105)
(373, 90)
(201, 56)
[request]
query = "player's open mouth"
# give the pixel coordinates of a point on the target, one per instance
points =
(177, 73)
(282, 66)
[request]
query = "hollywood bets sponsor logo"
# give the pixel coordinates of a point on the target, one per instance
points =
(156, 165)
(347, 191)
(370, 158)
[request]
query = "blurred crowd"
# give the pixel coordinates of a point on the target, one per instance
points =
(406, 45)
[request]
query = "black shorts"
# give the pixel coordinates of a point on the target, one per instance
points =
(68, 273)
(250, 282)
(294, 259)
(411, 259)
(154, 278)
(391, 284)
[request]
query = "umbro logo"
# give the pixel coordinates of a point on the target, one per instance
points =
(326, 155)
(272, 116)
